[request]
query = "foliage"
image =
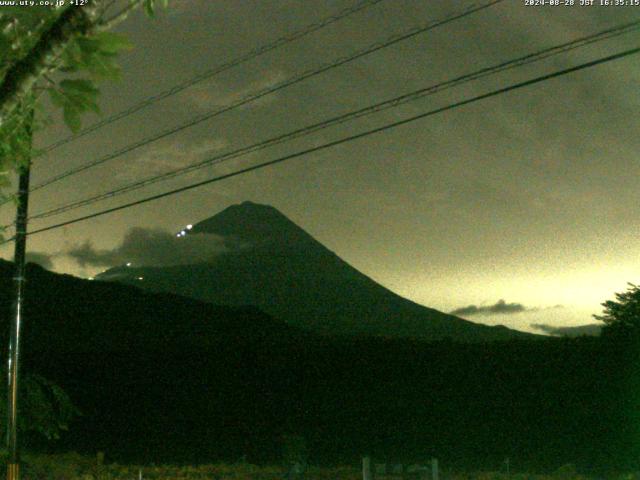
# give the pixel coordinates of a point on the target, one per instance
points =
(294, 450)
(622, 315)
(150, 6)
(45, 408)
(72, 466)
(63, 51)
(83, 54)
(16, 144)
(195, 381)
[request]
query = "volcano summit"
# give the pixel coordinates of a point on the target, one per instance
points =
(273, 264)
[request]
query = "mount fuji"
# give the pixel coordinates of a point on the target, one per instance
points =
(273, 264)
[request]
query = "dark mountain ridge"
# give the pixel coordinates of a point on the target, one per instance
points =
(68, 313)
(162, 378)
(277, 266)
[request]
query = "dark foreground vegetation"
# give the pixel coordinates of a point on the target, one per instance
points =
(163, 379)
(77, 467)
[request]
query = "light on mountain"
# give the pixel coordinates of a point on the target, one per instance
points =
(139, 278)
(189, 227)
(128, 264)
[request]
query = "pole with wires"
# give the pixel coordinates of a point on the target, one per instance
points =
(13, 470)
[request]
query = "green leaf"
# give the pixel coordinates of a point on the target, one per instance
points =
(109, 42)
(150, 7)
(71, 56)
(57, 98)
(96, 60)
(75, 96)
(93, 106)
(5, 46)
(81, 86)
(72, 118)
(104, 67)
(88, 45)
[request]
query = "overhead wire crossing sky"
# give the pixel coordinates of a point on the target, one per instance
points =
(371, 109)
(377, 46)
(350, 138)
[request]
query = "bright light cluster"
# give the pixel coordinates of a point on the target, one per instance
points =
(183, 232)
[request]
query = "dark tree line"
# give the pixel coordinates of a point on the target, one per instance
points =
(160, 378)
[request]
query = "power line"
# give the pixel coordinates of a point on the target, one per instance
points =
(262, 93)
(345, 139)
(378, 107)
(261, 50)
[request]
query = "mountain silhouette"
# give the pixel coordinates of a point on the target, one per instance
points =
(163, 378)
(273, 264)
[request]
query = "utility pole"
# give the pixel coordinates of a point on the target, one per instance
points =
(13, 470)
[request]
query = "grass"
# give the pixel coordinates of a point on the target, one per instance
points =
(72, 466)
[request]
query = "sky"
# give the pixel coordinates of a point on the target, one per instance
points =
(518, 210)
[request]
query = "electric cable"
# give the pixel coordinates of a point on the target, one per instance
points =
(343, 140)
(371, 109)
(269, 90)
(261, 50)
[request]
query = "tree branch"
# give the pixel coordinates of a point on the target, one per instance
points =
(22, 77)
(118, 17)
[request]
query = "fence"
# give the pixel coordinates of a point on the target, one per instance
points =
(423, 472)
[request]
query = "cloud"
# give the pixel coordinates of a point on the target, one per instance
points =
(214, 95)
(589, 329)
(45, 260)
(163, 158)
(501, 307)
(151, 247)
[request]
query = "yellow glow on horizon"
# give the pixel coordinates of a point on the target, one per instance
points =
(579, 291)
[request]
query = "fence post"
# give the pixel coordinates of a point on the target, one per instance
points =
(424, 473)
(434, 469)
(366, 468)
